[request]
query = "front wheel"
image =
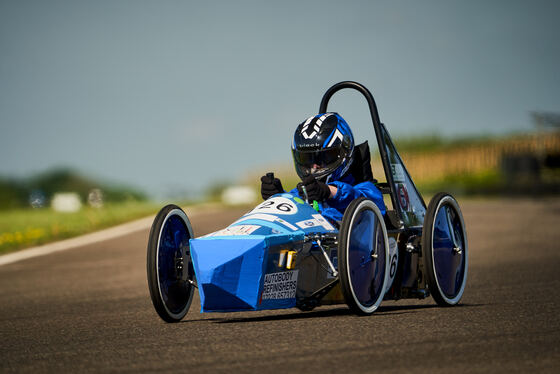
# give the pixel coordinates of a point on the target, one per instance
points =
(169, 266)
(445, 249)
(363, 256)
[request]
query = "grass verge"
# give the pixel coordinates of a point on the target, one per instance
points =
(483, 182)
(23, 228)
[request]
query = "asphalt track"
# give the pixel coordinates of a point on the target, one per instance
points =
(88, 309)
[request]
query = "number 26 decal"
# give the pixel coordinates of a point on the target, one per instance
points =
(277, 205)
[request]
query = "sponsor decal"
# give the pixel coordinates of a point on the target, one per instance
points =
(403, 197)
(326, 224)
(334, 260)
(280, 285)
(308, 223)
(309, 145)
(398, 172)
(317, 221)
(236, 230)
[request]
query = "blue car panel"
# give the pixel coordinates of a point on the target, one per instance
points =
(244, 266)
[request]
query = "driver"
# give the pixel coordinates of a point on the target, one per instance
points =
(323, 151)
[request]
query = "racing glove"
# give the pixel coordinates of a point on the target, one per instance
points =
(270, 185)
(314, 189)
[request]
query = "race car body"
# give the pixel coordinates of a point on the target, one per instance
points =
(255, 262)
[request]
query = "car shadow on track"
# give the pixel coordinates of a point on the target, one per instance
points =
(333, 312)
(288, 316)
(402, 309)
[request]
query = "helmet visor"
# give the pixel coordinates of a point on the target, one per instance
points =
(317, 163)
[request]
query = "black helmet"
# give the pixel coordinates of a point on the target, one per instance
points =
(323, 147)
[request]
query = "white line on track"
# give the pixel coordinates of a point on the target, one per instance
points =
(98, 236)
(79, 241)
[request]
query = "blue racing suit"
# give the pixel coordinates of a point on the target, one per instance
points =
(333, 209)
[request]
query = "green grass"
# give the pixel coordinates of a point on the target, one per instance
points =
(480, 183)
(434, 143)
(23, 228)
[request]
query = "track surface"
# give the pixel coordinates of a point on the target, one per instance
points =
(88, 310)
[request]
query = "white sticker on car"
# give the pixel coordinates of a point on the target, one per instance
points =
(268, 218)
(276, 205)
(309, 223)
(326, 224)
(236, 230)
(398, 173)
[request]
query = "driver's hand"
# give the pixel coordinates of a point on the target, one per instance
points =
(270, 186)
(315, 190)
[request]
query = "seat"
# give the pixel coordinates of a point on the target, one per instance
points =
(360, 168)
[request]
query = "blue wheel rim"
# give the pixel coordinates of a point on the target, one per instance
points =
(367, 273)
(173, 241)
(448, 251)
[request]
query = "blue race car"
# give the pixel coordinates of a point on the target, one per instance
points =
(285, 254)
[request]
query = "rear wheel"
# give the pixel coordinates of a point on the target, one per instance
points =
(169, 265)
(445, 250)
(363, 253)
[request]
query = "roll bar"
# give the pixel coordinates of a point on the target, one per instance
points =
(378, 127)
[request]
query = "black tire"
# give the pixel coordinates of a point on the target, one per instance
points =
(169, 266)
(363, 256)
(445, 249)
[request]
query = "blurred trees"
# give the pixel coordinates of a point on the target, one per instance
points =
(16, 193)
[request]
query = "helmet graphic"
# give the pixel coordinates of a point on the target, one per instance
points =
(323, 146)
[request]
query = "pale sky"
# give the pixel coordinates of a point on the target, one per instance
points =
(173, 95)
